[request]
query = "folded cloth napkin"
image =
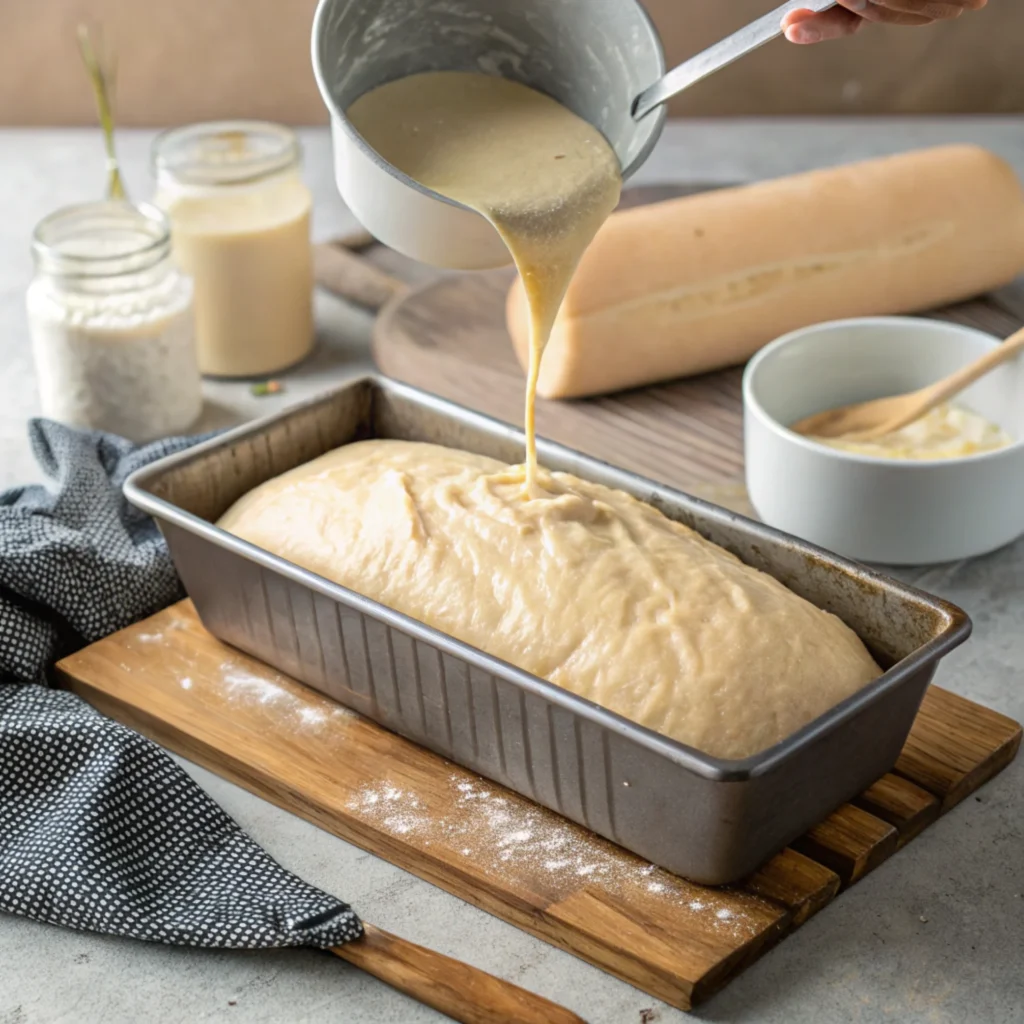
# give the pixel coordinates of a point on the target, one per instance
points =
(99, 828)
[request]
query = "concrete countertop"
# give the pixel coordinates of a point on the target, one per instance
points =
(935, 935)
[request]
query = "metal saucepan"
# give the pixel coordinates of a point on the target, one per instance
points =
(600, 58)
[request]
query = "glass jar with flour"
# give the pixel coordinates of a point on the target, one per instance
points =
(110, 315)
(240, 222)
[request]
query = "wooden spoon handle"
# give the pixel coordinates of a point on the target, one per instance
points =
(464, 993)
(967, 375)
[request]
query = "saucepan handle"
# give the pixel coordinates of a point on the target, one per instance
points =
(716, 57)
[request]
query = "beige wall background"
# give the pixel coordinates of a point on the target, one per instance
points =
(188, 60)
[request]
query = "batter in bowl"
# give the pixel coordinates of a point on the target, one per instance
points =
(948, 432)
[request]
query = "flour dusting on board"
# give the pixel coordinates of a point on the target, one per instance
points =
(270, 689)
(500, 831)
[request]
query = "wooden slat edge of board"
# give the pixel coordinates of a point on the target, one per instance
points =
(797, 882)
(956, 746)
(631, 946)
(841, 849)
(850, 841)
(904, 805)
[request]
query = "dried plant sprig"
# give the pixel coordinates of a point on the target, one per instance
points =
(101, 74)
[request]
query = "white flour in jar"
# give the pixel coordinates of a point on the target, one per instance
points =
(114, 348)
(129, 370)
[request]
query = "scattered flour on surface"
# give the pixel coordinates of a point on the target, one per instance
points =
(502, 834)
(495, 831)
(272, 690)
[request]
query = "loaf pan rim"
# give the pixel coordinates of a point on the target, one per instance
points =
(957, 629)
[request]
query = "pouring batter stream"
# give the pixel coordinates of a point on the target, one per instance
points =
(545, 178)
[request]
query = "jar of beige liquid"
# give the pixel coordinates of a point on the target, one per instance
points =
(240, 220)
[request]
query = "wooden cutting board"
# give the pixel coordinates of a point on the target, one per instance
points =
(447, 335)
(680, 942)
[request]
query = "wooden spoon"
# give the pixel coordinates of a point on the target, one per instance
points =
(868, 420)
(464, 993)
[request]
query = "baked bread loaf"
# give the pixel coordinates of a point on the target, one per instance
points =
(586, 587)
(695, 284)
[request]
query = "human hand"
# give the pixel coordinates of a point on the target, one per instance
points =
(848, 16)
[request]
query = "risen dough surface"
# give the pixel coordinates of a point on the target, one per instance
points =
(586, 587)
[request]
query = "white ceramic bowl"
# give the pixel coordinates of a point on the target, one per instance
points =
(893, 512)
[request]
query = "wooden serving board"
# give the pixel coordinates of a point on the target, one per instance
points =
(448, 336)
(170, 679)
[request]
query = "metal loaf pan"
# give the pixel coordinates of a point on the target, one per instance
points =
(709, 820)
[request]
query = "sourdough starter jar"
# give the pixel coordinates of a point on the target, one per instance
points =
(110, 316)
(240, 220)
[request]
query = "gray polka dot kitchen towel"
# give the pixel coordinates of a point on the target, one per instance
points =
(99, 828)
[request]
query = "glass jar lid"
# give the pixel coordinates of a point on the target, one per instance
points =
(219, 153)
(108, 238)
